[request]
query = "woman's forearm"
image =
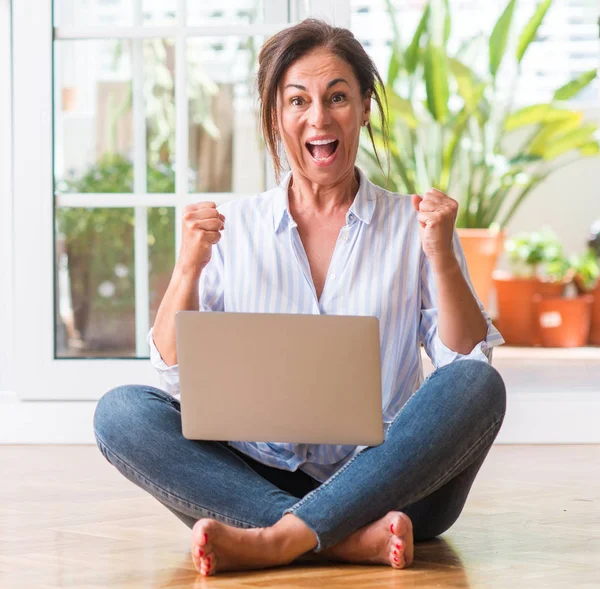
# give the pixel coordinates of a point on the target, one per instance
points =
(461, 325)
(181, 294)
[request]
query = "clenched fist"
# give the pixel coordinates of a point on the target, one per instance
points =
(201, 229)
(436, 216)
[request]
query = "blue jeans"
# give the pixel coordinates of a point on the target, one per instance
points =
(425, 467)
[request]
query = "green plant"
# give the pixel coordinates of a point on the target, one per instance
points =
(450, 120)
(537, 254)
(587, 270)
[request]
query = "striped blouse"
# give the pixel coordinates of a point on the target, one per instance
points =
(378, 268)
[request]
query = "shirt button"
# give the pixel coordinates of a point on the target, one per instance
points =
(333, 276)
(345, 237)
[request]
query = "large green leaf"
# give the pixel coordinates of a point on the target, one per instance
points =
(531, 28)
(499, 37)
(549, 130)
(436, 81)
(393, 67)
(575, 139)
(412, 52)
(401, 107)
(466, 80)
(447, 23)
(575, 86)
(590, 149)
(534, 114)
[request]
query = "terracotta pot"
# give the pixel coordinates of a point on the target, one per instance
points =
(563, 323)
(481, 248)
(594, 338)
(514, 297)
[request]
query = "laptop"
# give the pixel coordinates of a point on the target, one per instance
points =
(273, 377)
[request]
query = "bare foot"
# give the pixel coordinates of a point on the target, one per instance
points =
(219, 547)
(388, 540)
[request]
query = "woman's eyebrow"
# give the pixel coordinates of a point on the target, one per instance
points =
(329, 85)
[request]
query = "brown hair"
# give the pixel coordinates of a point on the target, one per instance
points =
(289, 45)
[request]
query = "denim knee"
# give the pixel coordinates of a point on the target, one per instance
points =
(483, 384)
(488, 384)
(120, 411)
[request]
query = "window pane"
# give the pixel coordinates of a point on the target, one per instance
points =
(159, 13)
(95, 278)
(159, 103)
(94, 141)
(93, 116)
(226, 149)
(230, 12)
(97, 13)
(95, 282)
(111, 13)
(161, 254)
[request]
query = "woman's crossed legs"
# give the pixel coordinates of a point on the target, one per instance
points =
(248, 515)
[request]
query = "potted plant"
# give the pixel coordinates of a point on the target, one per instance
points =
(565, 322)
(538, 267)
(587, 281)
(449, 123)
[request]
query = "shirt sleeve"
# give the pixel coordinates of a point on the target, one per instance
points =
(210, 291)
(439, 353)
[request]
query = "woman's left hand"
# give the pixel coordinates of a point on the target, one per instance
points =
(437, 216)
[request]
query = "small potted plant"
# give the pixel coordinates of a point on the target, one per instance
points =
(587, 281)
(538, 266)
(565, 321)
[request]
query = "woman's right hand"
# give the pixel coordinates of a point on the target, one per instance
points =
(201, 228)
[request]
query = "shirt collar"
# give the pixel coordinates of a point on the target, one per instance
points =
(362, 207)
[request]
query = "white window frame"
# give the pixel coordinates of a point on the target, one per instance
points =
(37, 374)
(6, 204)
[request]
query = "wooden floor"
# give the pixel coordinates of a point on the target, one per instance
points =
(68, 519)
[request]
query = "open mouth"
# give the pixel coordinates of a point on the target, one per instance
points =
(322, 149)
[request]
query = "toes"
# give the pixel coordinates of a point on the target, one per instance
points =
(399, 563)
(402, 538)
(201, 537)
(208, 566)
(397, 558)
(399, 525)
(202, 551)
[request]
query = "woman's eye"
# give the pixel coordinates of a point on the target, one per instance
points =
(296, 101)
(338, 98)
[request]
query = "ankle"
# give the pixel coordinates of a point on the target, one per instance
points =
(291, 537)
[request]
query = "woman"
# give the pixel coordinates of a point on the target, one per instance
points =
(326, 240)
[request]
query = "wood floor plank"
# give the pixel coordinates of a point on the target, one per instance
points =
(68, 519)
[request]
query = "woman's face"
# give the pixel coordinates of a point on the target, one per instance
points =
(320, 112)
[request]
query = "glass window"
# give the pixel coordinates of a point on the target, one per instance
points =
(566, 44)
(117, 131)
(226, 149)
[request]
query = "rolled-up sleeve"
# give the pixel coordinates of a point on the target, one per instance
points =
(169, 374)
(210, 290)
(439, 353)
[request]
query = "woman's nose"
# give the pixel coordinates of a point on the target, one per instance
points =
(319, 116)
